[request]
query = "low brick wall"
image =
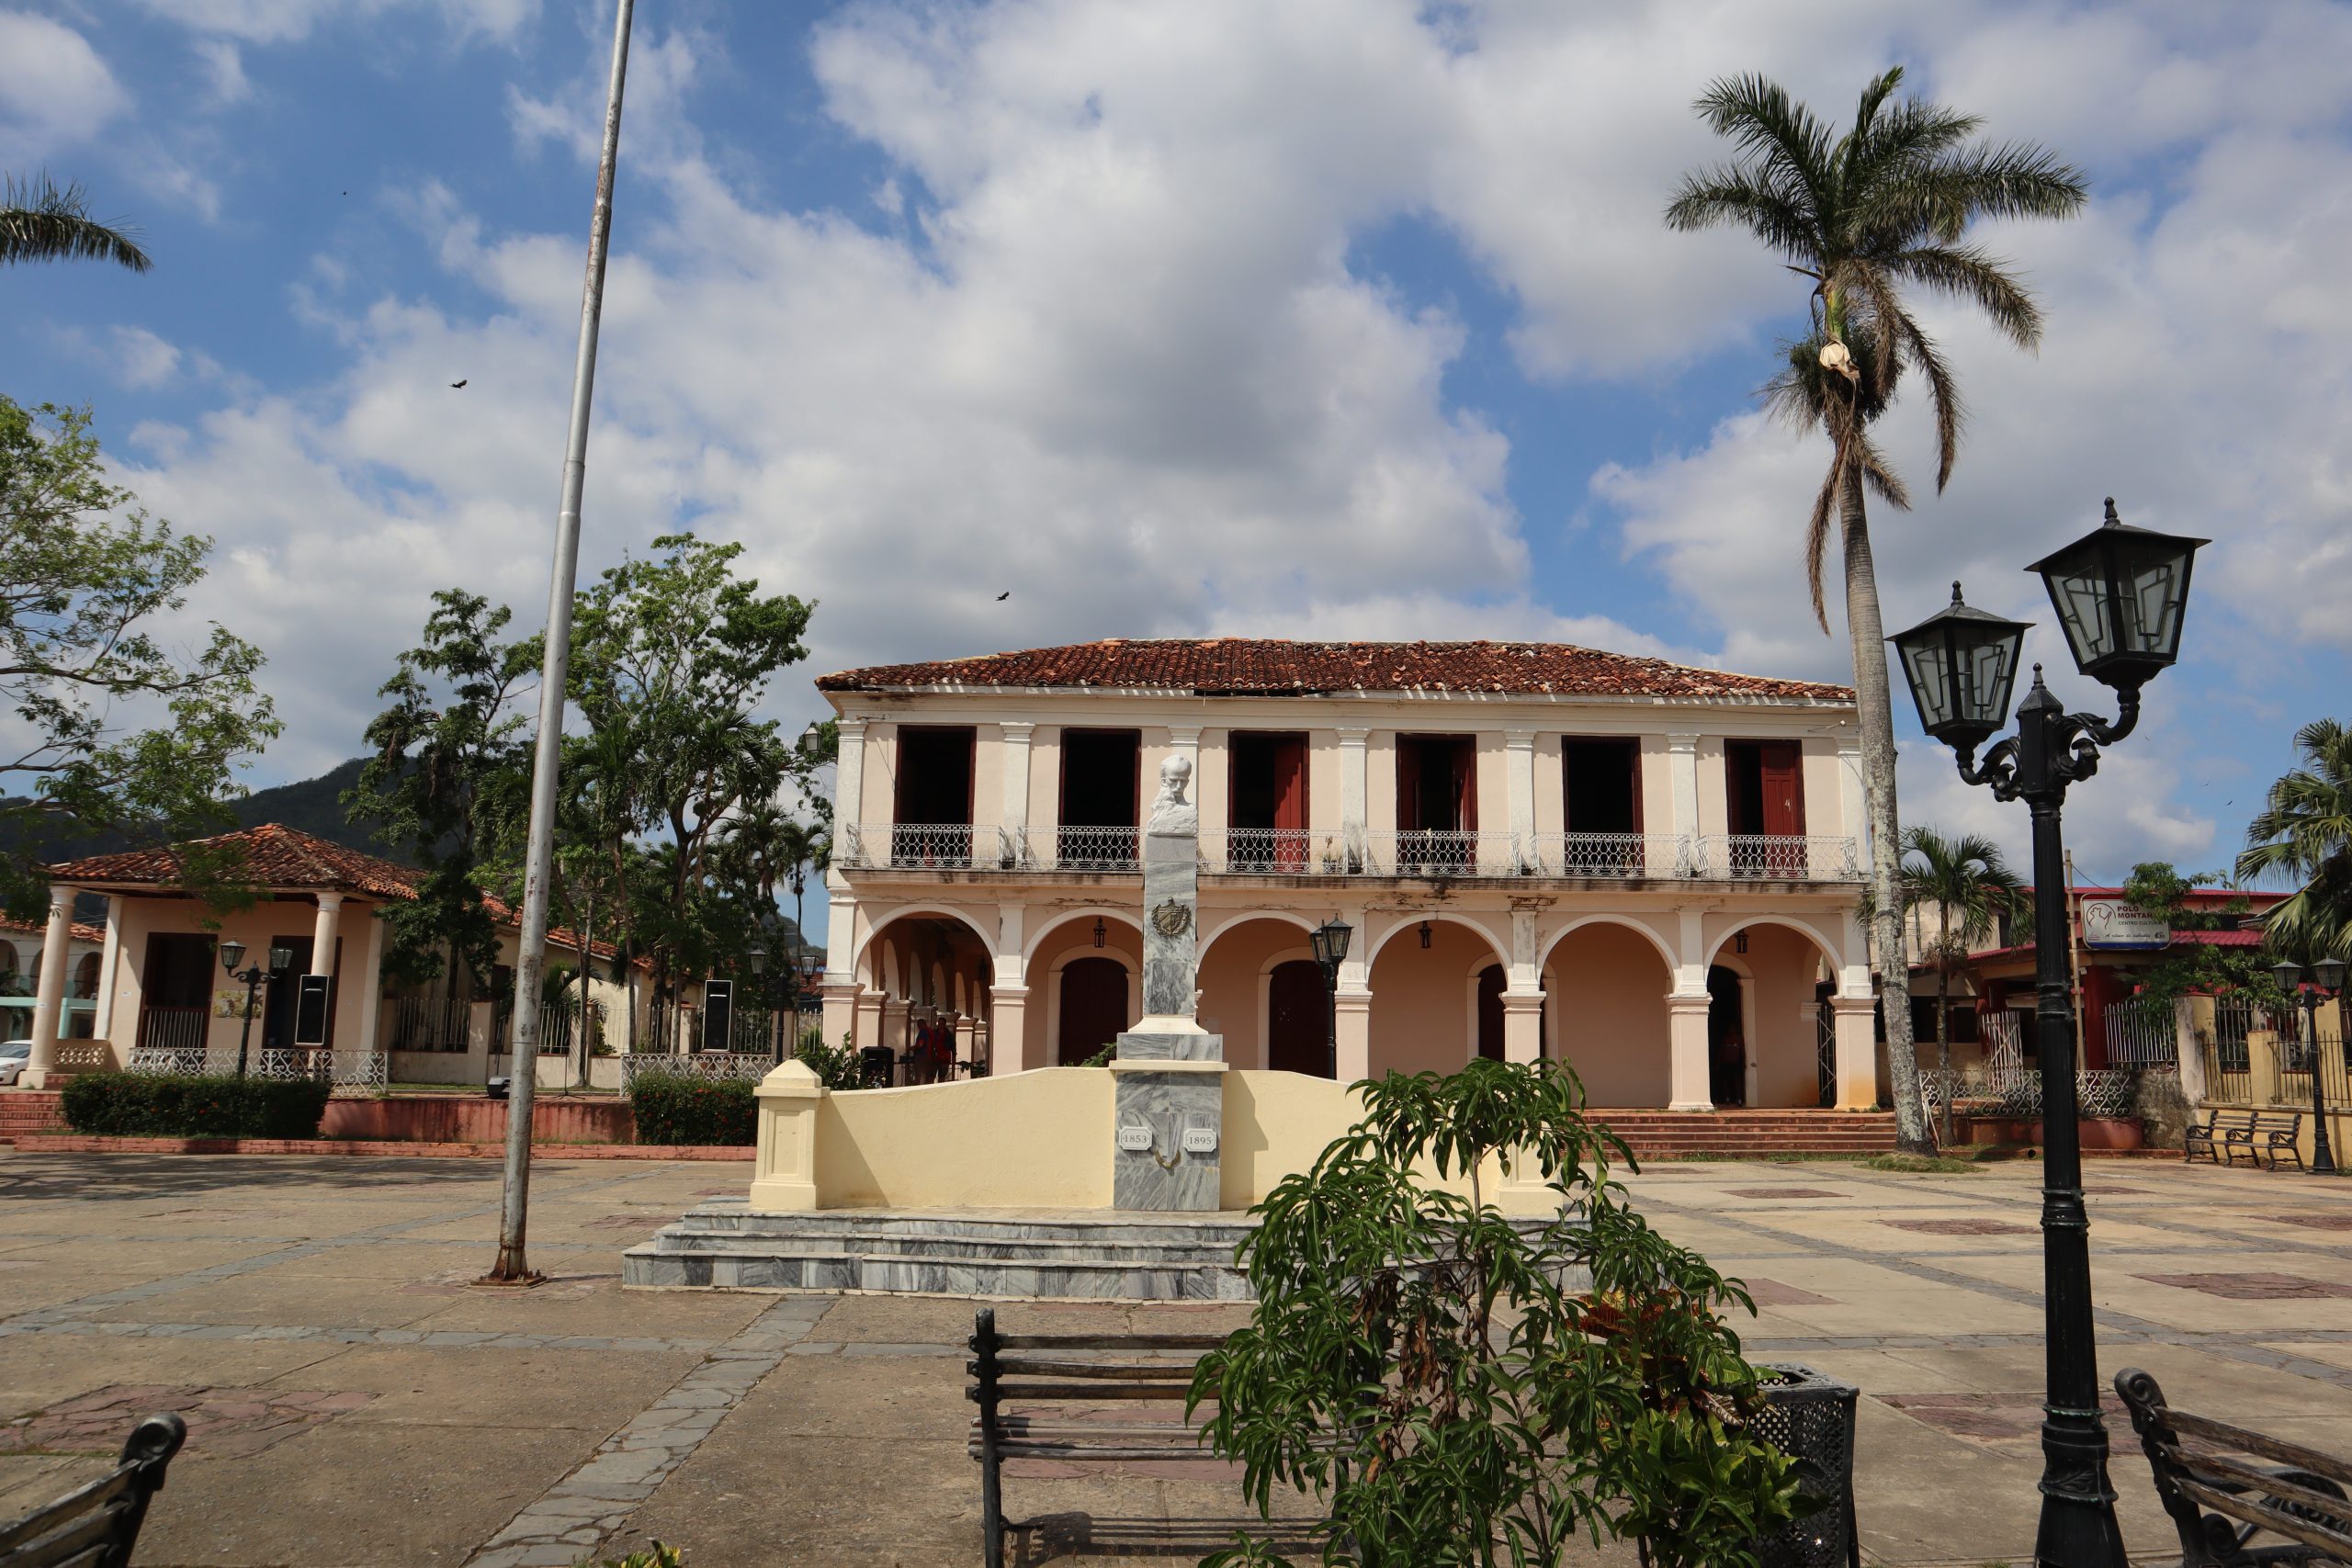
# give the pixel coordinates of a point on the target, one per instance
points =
(477, 1119)
(82, 1143)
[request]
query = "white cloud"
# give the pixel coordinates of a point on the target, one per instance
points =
(142, 358)
(224, 67)
(55, 90)
(285, 21)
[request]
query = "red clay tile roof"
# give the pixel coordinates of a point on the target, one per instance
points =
(40, 929)
(1267, 667)
(275, 856)
(279, 856)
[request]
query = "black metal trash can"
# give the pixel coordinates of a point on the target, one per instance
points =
(1810, 1419)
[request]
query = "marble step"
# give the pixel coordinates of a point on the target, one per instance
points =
(867, 1244)
(648, 1268)
(734, 1217)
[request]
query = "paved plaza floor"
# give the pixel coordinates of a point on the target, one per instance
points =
(351, 1402)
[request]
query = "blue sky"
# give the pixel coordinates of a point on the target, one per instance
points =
(1339, 318)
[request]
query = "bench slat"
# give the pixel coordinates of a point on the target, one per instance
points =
(2272, 1519)
(2302, 1458)
(2214, 1467)
(96, 1532)
(1089, 1393)
(90, 1495)
(1117, 1372)
(1110, 1341)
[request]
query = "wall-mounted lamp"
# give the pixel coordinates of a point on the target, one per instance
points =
(1100, 931)
(1425, 933)
(1739, 943)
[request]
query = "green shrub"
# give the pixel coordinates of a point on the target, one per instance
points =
(836, 1066)
(677, 1110)
(195, 1106)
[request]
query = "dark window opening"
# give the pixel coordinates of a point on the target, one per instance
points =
(1602, 793)
(1102, 782)
(1491, 980)
(1268, 801)
(1764, 800)
(1726, 1038)
(1437, 803)
(175, 991)
(931, 815)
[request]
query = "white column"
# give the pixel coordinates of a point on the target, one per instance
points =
(102, 1026)
(1519, 774)
(1523, 1026)
(1185, 741)
(849, 783)
(1014, 813)
(49, 993)
(1855, 1024)
(1682, 770)
(1686, 1025)
(2185, 1052)
(322, 933)
(1354, 789)
(371, 984)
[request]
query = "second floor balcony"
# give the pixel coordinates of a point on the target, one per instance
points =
(1424, 854)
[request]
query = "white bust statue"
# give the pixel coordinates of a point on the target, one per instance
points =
(1171, 812)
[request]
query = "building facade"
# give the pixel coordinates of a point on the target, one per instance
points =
(1648, 871)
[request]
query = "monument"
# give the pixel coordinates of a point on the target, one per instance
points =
(1168, 1094)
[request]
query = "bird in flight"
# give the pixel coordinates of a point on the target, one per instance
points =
(456, 385)
(1004, 596)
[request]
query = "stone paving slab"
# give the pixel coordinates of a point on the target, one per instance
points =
(534, 1427)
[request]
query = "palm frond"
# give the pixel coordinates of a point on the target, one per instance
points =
(1816, 534)
(1968, 271)
(1881, 476)
(1912, 133)
(1763, 121)
(43, 221)
(1943, 393)
(1745, 196)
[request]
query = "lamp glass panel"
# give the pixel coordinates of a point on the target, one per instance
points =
(232, 955)
(2078, 592)
(280, 959)
(2330, 973)
(2287, 974)
(1926, 665)
(2151, 583)
(1988, 672)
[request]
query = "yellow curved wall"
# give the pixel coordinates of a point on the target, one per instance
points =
(1039, 1139)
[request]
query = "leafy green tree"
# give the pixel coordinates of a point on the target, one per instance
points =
(671, 661)
(1444, 1381)
(447, 781)
(1867, 216)
(2305, 832)
(43, 221)
(119, 729)
(2156, 889)
(1970, 887)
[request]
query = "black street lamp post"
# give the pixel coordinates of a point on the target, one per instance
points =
(232, 952)
(2329, 973)
(2120, 593)
(1329, 940)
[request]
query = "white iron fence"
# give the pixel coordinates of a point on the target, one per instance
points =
(2140, 1032)
(2103, 1092)
(424, 1024)
(716, 1064)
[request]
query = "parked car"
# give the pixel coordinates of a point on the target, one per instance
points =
(14, 1054)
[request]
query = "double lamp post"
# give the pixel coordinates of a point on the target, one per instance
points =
(232, 952)
(2329, 973)
(2120, 593)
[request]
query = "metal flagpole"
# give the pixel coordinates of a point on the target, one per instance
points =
(511, 1267)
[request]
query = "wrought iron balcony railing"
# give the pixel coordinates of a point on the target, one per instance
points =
(1778, 857)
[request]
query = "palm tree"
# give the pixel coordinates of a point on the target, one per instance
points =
(41, 222)
(1864, 217)
(1969, 885)
(2305, 831)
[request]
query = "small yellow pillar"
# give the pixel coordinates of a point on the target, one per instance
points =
(784, 1180)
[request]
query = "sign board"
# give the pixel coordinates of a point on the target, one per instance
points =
(310, 1009)
(2112, 923)
(1135, 1137)
(1200, 1140)
(717, 1015)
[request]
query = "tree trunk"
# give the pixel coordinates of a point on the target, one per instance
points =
(1877, 718)
(587, 982)
(1943, 1042)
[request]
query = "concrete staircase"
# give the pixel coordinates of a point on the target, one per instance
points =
(721, 1245)
(30, 1110)
(1750, 1134)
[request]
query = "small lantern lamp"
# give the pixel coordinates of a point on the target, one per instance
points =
(232, 952)
(1962, 665)
(1330, 943)
(2121, 593)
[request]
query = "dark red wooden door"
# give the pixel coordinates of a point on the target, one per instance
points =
(1298, 1020)
(1465, 785)
(1783, 788)
(1290, 803)
(1093, 1008)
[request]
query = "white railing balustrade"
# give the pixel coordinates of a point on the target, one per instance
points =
(1604, 855)
(1272, 852)
(716, 1065)
(1778, 857)
(907, 846)
(351, 1071)
(1437, 851)
(1067, 849)
(2102, 1092)
(185, 1061)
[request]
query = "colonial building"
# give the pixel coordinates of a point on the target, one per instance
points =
(1649, 871)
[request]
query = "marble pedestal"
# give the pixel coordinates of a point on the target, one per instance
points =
(1167, 1118)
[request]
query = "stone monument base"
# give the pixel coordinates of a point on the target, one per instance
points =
(1168, 1115)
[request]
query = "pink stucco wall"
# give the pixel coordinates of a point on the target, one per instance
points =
(1422, 999)
(1233, 983)
(1608, 987)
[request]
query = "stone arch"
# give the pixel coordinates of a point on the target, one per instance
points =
(1033, 940)
(878, 923)
(1779, 978)
(1411, 919)
(1425, 1001)
(1607, 979)
(1666, 951)
(1237, 960)
(1227, 919)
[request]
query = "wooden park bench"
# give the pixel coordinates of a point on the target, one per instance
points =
(1033, 1390)
(96, 1526)
(2229, 1130)
(2220, 1500)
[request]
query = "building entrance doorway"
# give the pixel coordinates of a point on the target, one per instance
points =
(1298, 1020)
(1491, 980)
(1726, 1038)
(1093, 1008)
